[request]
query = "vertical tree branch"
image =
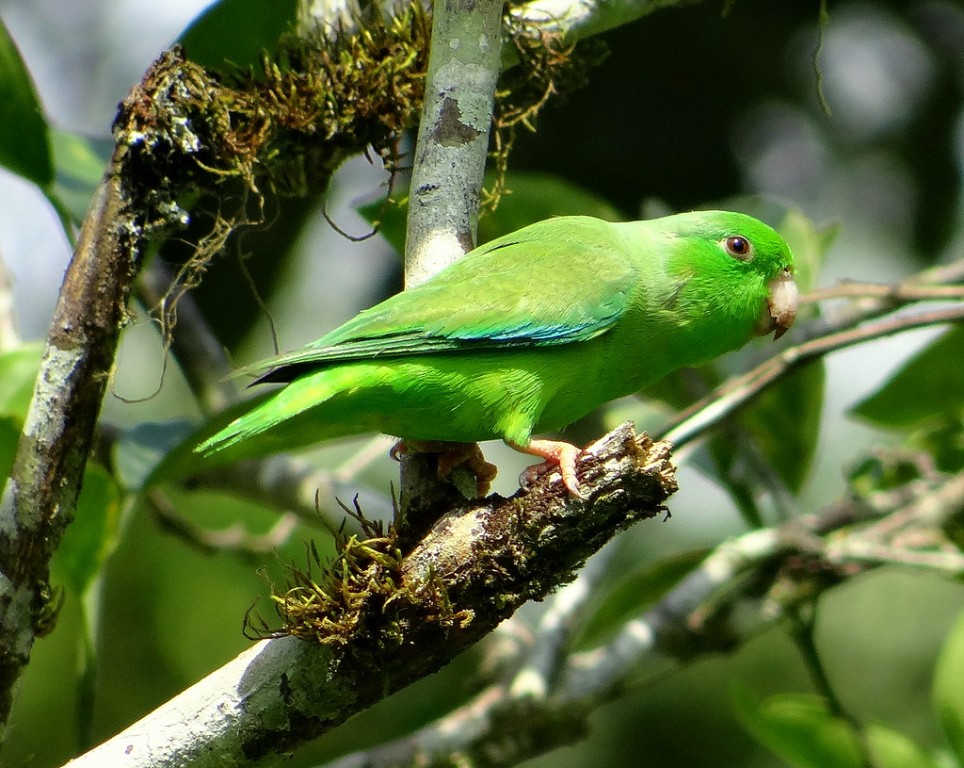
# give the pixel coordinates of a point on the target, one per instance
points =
(453, 141)
(41, 492)
(453, 136)
(39, 497)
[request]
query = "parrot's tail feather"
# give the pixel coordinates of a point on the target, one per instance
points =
(293, 400)
(232, 434)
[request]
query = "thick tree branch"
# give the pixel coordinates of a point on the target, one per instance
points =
(475, 567)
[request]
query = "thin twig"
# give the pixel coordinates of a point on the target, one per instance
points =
(849, 314)
(284, 482)
(235, 538)
(897, 293)
(726, 399)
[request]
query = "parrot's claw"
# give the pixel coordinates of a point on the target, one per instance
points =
(398, 450)
(556, 454)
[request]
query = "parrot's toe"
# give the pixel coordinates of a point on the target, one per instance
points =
(470, 456)
(452, 455)
(556, 454)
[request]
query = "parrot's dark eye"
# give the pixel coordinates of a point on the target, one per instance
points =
(738, 247)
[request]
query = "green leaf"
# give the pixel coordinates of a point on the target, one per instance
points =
(234, 34)
(79, 164)
(891, 749)
(926, 390)
(808, 244)
(783, 426)
(945, 442)
(24, 139)
(637, 591)
(883, 471)
(800, 729)
(18, 371)
(948, 691)
(532, 197)
(90, 538)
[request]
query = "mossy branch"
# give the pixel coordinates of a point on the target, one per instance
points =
(379, 620)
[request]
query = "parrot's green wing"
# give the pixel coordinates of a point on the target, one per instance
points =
(555, 282)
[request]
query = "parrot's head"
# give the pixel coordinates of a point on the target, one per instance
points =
(744, 270)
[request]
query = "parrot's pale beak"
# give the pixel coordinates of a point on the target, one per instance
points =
(781, 307)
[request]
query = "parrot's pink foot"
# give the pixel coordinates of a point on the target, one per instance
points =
(555, 452)
(450, 456)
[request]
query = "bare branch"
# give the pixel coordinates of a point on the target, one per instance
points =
(891, 293)
(735, 393)
(547, 647)
(233, 538)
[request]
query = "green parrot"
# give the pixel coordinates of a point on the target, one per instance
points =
(528, 333)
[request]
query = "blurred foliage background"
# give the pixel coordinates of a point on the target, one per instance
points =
(694, 106)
